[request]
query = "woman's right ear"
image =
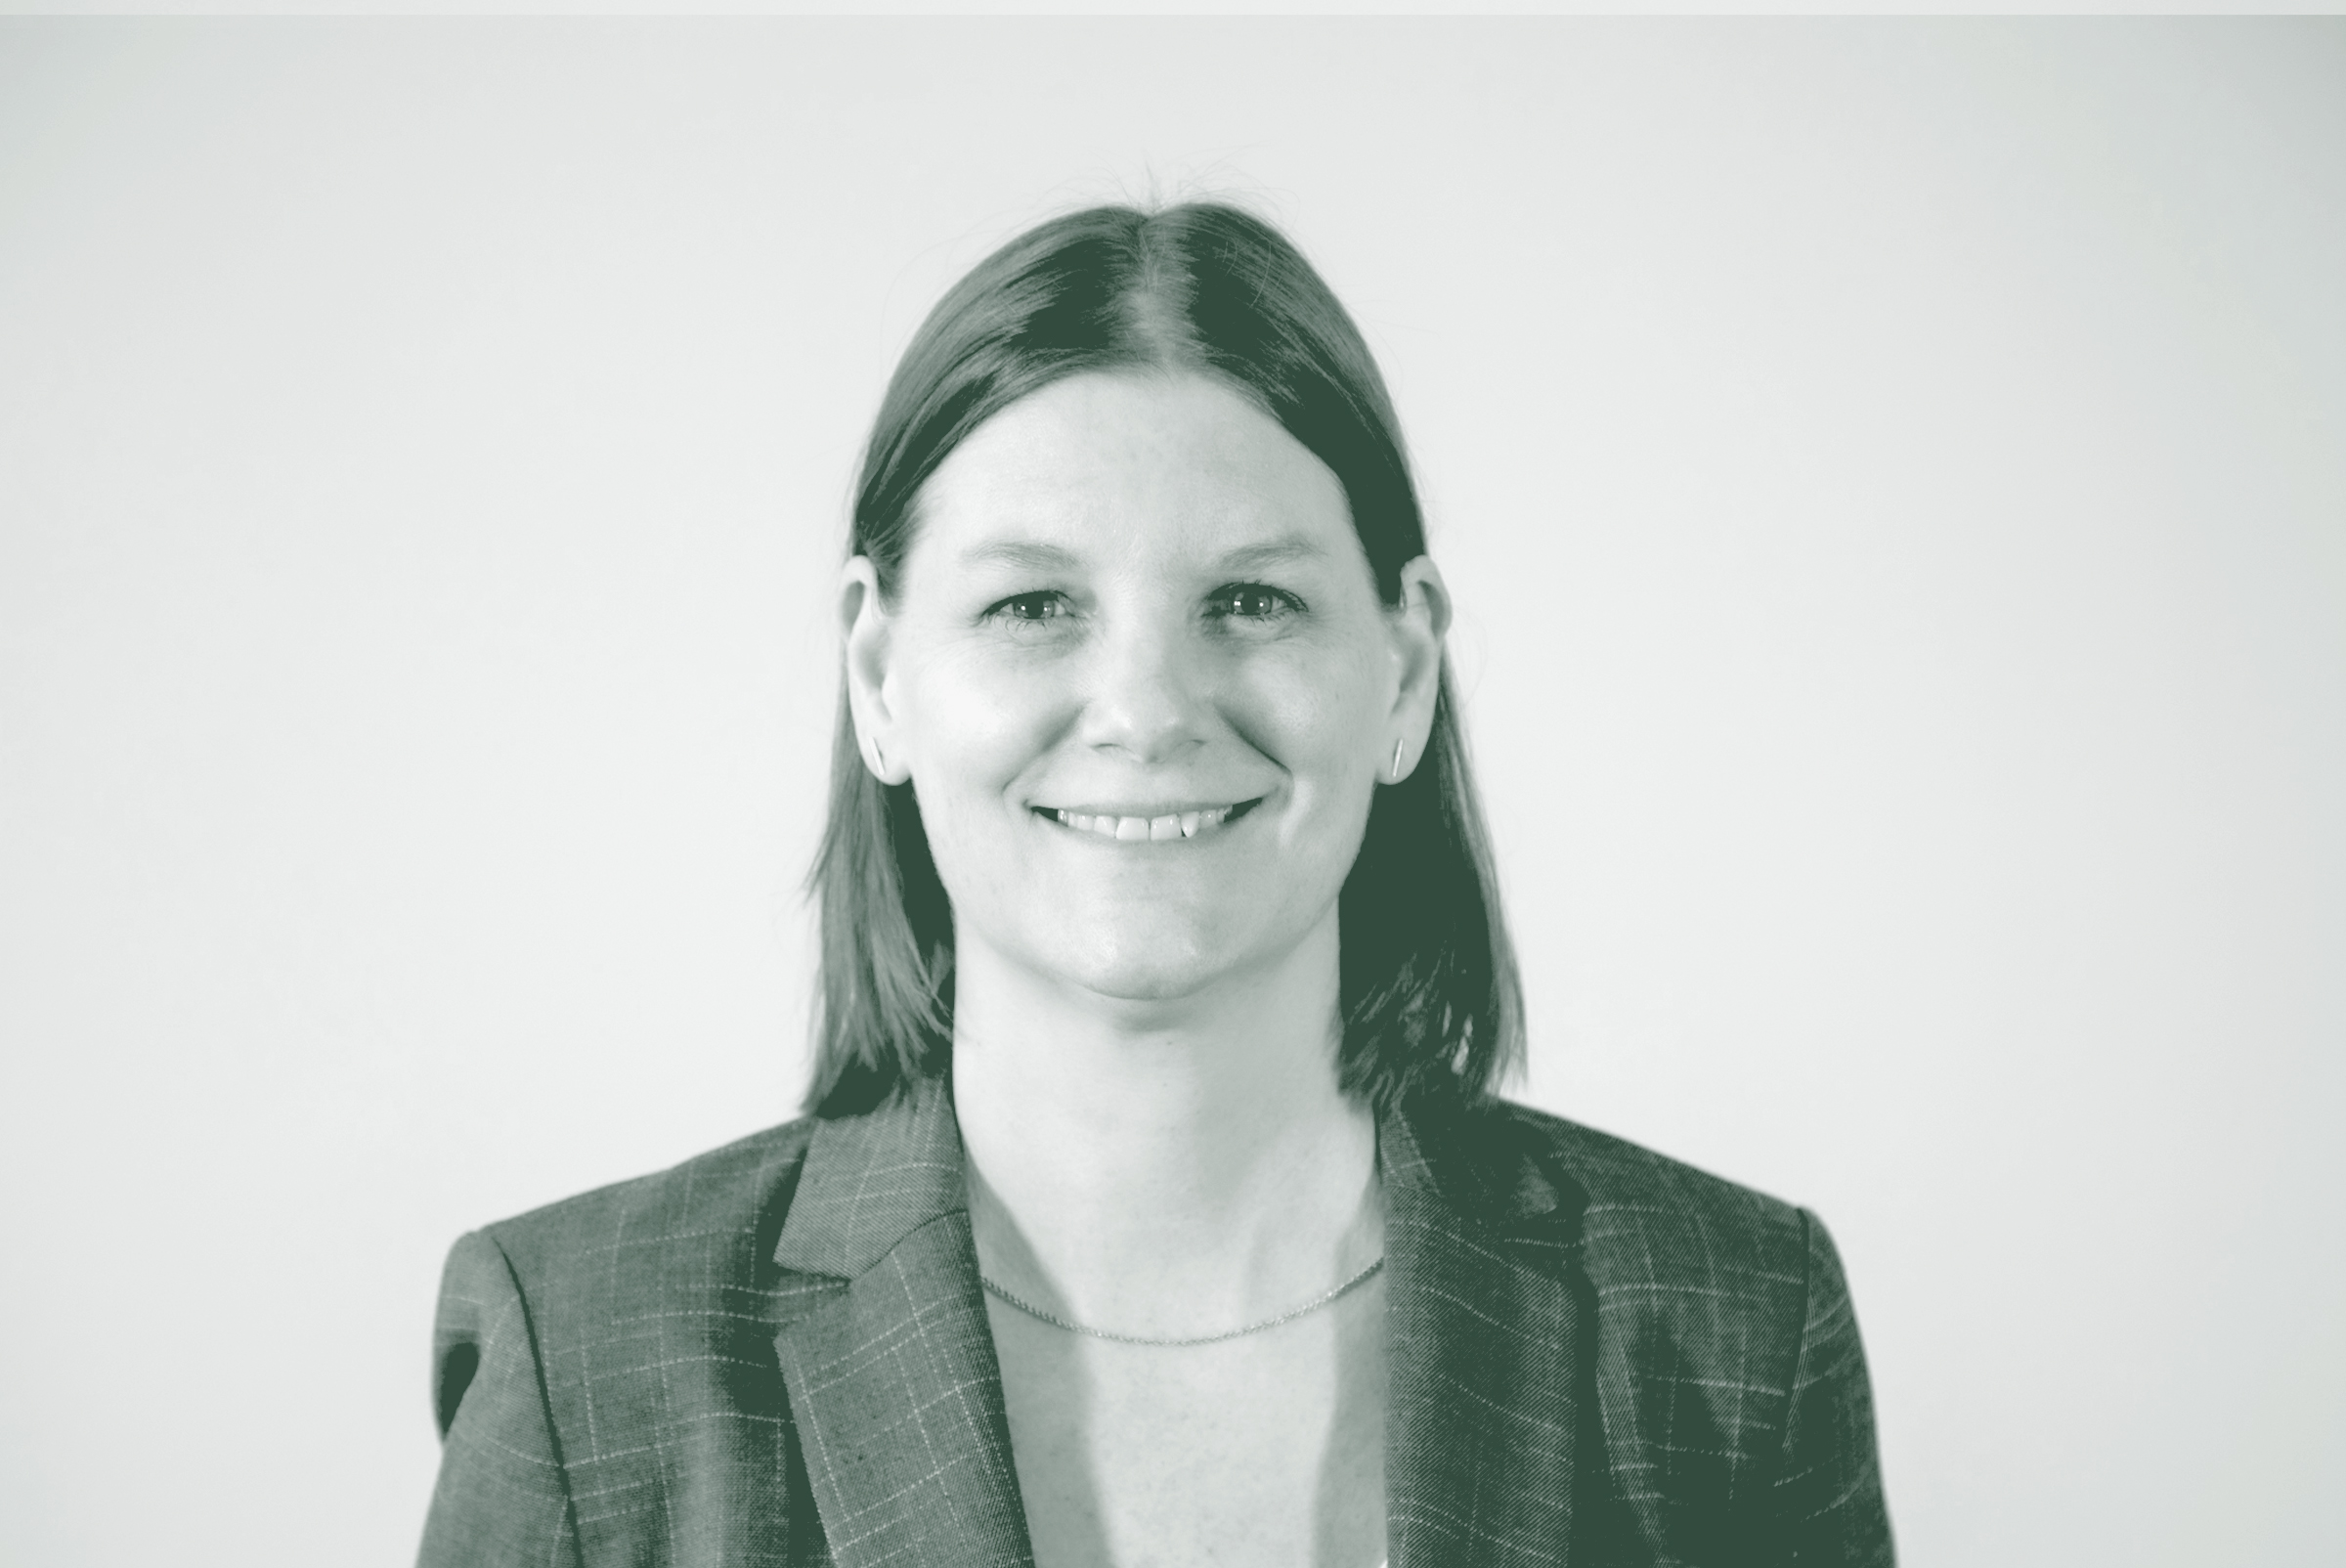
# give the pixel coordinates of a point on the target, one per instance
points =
(864, 624)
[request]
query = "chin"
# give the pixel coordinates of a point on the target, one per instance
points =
(1147, 961)
(1151, 978)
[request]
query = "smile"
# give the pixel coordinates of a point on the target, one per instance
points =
(1149, 829)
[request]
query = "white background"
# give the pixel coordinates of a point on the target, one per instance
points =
(1894, 474)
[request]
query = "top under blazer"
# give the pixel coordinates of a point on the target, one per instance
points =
(778, 1354)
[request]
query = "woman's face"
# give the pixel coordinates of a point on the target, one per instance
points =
(1142, 682)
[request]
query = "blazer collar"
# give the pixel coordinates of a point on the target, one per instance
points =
(897, 1396)
(870, 1181)
(892, 1377)
(1486, 1340)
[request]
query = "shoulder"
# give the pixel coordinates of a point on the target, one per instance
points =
(576, 1341)
(1724, 1339)
(602, 1305)
(722, 1209)
(1616, 1174)
(1654, 1232)
(707, 1187)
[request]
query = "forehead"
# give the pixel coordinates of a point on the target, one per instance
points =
(1132, 464)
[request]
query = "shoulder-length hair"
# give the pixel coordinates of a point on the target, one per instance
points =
(1428, 990)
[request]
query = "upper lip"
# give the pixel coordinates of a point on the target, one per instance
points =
(1151, 810)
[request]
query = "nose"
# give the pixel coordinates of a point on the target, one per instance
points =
(1148, 699)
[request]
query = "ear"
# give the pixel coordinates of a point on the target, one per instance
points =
(865, 625)
(1416, 627)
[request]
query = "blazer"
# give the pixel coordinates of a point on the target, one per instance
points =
(778, 1354)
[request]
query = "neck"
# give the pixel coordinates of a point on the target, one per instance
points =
(1168, 1167)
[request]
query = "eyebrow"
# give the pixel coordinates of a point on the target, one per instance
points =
(1021, 553)
(1035, 556)
(1272, 553)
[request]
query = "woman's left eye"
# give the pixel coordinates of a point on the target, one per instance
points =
(1251, 601)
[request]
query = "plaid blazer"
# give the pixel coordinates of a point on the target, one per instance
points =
(777, 1353)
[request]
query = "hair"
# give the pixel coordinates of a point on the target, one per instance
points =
(1428, 991)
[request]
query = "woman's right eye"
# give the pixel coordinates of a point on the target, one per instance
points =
(1031, 609)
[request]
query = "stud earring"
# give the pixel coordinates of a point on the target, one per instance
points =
(1396, 746)
(879, 761)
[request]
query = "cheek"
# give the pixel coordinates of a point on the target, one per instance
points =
(1318, 713)
(1320, 720)
(974, 729)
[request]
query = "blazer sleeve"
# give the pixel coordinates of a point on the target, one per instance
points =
(1829, 1501)
(502, 1497)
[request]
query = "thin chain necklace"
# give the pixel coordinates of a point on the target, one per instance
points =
(1311, 1306)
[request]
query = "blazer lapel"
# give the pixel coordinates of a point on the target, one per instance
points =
(897, 1396)
(1484, 1334)
(892, 1375)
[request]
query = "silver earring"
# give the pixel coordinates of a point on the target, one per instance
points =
(879, 761)
(1396, 746)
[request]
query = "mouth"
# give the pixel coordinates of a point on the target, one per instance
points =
(1159, 828)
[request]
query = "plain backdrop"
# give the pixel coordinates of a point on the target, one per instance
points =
(1895, 475)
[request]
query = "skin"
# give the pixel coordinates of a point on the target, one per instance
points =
(1136, 595)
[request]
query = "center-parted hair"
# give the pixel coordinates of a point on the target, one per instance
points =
(1428, 990)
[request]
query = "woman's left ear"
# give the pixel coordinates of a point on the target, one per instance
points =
(1416, 625)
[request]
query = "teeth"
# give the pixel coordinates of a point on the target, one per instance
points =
(1146, 829)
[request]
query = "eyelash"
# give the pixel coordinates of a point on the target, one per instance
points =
(1282, 604)
(1005, 611)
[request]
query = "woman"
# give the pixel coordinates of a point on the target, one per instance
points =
(1156, 1205)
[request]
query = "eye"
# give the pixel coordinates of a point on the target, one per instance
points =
(1031, 609)
(1251, 601)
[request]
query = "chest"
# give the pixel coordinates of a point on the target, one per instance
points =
(1260, 1453)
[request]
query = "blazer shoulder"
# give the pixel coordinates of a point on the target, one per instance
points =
(1725, 1350)
(588, 1349)
(743, 1188)
(1664, 1213)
